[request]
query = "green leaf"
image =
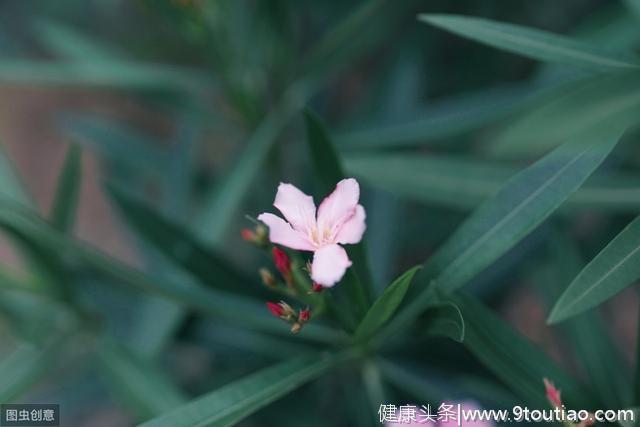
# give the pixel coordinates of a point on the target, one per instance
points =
(444, 119)
(612, 270)
(464, 183)
(239, 310)
(236, 401)
(518, 208)
(386, 305)
(501, 222)
(11, 187)
(328, 171)
(223, 204)
(180, 246)
(569, 111)
(25, 366)
(115, 74)
(514, 359)
(587, 334)
(533, 43)
(65, 202)
(443, 319)
(138, 383)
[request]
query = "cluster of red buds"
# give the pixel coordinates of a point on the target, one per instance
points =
(285, 281)
(285, 312)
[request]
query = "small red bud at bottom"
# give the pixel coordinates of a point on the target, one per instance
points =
(304, 316)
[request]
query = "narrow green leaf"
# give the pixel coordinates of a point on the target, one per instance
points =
(180, 246)
(138, 383)
(115, 74)
(464, 183)
(219, 210)
(328, 171)
(236, 401)
(587, 334)
(501, 222)
(239, 310)
(612, 270)
(533, 43)
(386, 304)
(65, 202)
(22, 369)
(444, 319)
(568, 111)
(514, 359)
(11, 186)
(445, 119)
(524, 202)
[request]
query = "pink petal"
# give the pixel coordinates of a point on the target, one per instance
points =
(296, 207)
(280, 232)
(351, 231)
(329, 264)
(340, 205)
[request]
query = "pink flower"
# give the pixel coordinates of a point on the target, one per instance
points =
(340, 220)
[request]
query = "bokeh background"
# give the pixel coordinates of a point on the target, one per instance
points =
(194, 106)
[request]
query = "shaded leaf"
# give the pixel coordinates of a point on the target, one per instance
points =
(328, 171)
(586, 334)
(464, 183)
(520, 206)
(533, 43)
(180, 246)
(568, 111)
(443, 319)
(613, 269)
(137, 383)
(514, 359)
(238, 400)
(22, 369)
(253, 313)
(65, 202)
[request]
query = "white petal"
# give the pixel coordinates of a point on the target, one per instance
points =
(280, 232)
(329, 264)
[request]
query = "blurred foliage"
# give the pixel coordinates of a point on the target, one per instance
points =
(495, 140)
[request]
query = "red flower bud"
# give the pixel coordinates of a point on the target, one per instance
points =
(248, 235)
(317, 287)
(275, 309)
(282, 261)
(553, 394)
(304, 316)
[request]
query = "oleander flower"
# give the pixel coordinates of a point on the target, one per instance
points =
(339, 220)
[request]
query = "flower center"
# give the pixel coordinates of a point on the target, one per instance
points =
(321, 237)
